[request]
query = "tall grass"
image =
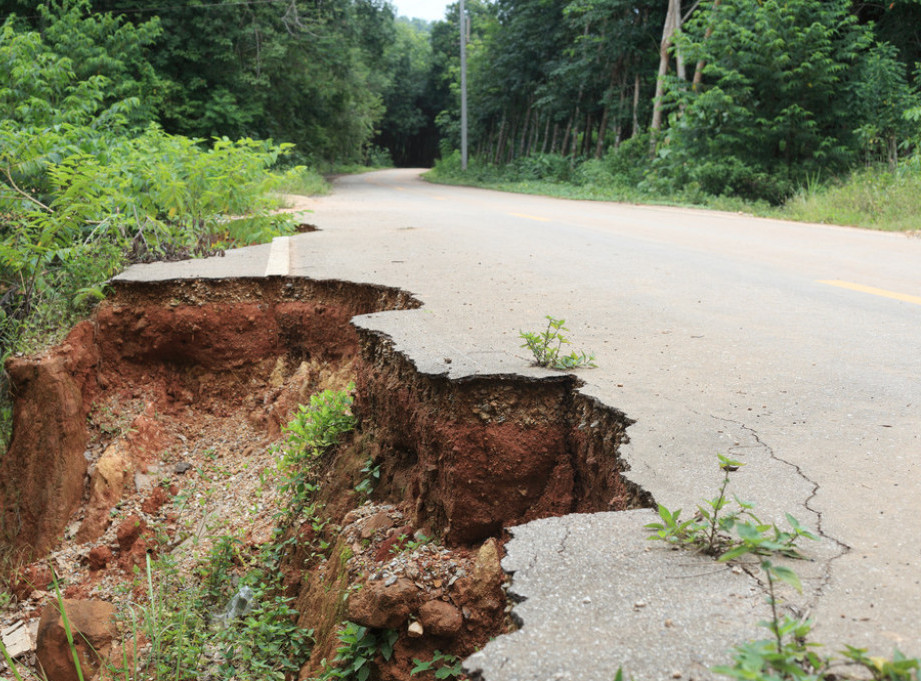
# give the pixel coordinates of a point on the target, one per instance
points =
(875, 198)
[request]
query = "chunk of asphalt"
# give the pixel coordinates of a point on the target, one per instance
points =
(595, 595)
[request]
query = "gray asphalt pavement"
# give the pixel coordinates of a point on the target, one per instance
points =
(792, 347)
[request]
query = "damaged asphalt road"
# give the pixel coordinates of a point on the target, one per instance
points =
(791, 347)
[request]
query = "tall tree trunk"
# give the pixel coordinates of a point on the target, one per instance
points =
(503, 127)
(602, 129)
(524, 131)
(636, 106)
(587, 138)
(699, 67)
(535, 133)
(556, 134)
(566, 137)
(672, 24)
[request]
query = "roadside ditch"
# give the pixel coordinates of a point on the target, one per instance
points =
(150, 434)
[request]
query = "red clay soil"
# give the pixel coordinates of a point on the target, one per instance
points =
(171, 346)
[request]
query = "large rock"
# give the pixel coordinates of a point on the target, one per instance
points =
(92, 624)
(383, 607)
(440, 619)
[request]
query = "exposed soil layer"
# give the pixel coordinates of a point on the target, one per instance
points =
(479, 454)
(172, 383)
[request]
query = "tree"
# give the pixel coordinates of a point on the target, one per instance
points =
(778, 102)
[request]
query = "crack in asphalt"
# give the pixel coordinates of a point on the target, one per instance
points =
(843, 548)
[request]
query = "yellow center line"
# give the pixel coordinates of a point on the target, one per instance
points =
(904, 297)
(529, 217)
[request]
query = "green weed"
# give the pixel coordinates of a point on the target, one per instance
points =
(711, 529)
(315, 428)
(441, 666)
(547, 347)
(358, 648)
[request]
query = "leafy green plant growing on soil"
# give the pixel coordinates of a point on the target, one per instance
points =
(315, 428)
(358, 648)
(441, 666)
(710, 529)
(547, 347)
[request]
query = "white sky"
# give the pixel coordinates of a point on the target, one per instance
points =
(430, 10)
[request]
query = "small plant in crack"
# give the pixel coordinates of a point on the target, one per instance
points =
(711, 529)
(787, 654)
(547, 347)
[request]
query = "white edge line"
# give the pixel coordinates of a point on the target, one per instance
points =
(279, 263)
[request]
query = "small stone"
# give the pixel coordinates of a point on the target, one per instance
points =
(586, 600)
(639, 604)
(676, 674)
(392, 579)
(181, 467)
(737, 570)
(415, 629)
(143, 482)
(669, 624)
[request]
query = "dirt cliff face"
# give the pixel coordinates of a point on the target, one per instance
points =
(42, 473)
(174, 346)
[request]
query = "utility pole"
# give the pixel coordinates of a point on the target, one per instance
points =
(463, 66)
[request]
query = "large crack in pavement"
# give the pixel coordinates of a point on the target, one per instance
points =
(844, 548)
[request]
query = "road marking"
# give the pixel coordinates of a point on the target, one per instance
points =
(904, 297)
(529, 217)
(279, 262)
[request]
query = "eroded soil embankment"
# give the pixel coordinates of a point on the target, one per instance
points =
(181, 346)
(458, 459)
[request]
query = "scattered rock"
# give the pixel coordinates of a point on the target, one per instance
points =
(440, 618)
(415, 629)
(18, 639)
(34, 577)
(99, 557)
(155, 501)
(93, 626)
(181, 467)
(378, 521)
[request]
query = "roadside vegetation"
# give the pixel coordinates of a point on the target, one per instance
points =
(807, 110)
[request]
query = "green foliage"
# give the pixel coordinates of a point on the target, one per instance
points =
(358, 649)
(875, 197)
(899, 668)
(182, 622)
(546, 347)
(313, 430)
(441, 666)
(785, 86)
(370, 475)
(710, 530)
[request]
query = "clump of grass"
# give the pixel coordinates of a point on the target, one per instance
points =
(304, 181)
(875, 198)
